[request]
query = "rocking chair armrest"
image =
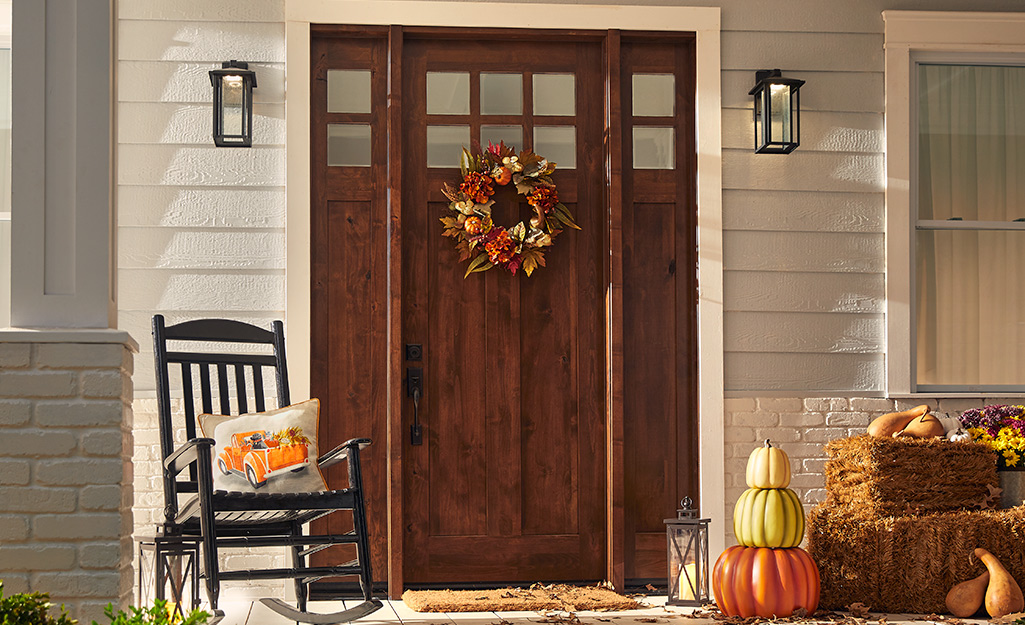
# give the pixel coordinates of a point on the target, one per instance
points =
(186, 455)
(341, 452)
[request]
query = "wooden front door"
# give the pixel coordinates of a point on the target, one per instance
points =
(558, 411)
(509, 483)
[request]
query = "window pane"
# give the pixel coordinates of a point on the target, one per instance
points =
(501, 94)
(348, 91)
(654, 95)
(971, 142)
(445, 145)
(970, 307)
(654, 148)
(512, 135)
(558, 144)
(348, 145)
(554, 94)
(448, 93)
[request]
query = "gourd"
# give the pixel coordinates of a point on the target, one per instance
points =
(889, 424)
(960, 435)
(768, 467)
(758, 581)
(1003, 595)
(769, 518)
(925, 426)
(965, 599)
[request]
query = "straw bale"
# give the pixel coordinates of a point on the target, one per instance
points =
(908, 563)
(909, 475)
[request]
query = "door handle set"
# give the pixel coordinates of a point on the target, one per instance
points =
(415, 389)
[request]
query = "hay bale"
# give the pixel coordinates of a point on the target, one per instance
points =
(909, 475)
(908, 563)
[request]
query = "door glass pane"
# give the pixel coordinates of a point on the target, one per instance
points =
(653, 148)
(445, 145)
(970, 307)
(448, 93)
(654, 95)
(512, 135)
(501, 94)
(554, 94)
(557, 144)
(348, 91)
(348, 145)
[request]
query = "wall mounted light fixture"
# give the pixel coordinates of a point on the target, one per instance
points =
(777, 112)
(233, 104)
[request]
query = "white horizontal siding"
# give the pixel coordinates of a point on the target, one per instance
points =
(179, 124)
(201, 166)
(201, 228)
(173, 81)
(801, 372)
(802, 211)
(856, 92)
(201, 207)
(844, 252)
(154, 40)
(820, 131)
(803, 170)
(167, 248)
(825, 51)
(210, 10)
(809, 333)
(802, 292)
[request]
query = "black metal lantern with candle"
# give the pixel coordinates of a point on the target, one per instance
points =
(233, 104)
(687, 538)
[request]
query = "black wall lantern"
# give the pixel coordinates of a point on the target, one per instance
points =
(777, 112)
(233, 104)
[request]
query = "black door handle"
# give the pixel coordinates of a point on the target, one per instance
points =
(415, 388)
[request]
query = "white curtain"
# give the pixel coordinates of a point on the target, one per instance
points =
(970, 298)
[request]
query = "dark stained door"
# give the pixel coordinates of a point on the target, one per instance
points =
(559, 410)
(509, 483)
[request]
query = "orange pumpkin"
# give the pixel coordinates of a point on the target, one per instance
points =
(758, 581)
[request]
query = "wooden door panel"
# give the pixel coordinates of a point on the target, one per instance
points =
(509, 484)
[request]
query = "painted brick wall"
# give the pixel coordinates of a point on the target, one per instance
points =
(802, 427)
(66, 473)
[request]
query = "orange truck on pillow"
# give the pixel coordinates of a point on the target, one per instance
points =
(258, 455)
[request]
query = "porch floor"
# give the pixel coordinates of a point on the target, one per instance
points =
(397, 613)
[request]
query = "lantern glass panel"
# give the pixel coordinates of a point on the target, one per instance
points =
(688, 563)
(232, 106)
(781, 113)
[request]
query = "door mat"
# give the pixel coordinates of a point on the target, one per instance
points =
(537, 598)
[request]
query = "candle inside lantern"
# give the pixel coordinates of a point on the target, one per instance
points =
(688, 580)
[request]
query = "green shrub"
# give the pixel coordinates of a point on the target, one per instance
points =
(30, 609)
(157, 614)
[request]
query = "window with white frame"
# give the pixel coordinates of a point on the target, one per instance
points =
(955, 122)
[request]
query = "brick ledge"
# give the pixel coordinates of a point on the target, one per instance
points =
(68, 335)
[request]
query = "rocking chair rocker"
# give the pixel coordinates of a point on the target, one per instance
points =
(223, 519)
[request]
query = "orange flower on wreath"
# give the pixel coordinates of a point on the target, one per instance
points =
(477, 187)
(500, 246)
(543, 199)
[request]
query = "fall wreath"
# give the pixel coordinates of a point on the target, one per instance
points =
(489, 244)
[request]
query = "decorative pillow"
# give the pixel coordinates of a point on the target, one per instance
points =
(268, 452)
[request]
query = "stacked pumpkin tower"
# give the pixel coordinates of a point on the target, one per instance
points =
(767, 574)
(903, 517)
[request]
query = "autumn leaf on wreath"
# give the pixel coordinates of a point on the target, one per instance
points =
(480, 263)
(452, 192)
(562, 214)
(464, 249)
(531, 259)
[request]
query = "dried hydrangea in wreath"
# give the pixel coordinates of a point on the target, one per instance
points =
(487, 243)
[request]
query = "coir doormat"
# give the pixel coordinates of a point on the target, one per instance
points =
(537, 598)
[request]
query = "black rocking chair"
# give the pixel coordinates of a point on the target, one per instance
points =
(223, 519)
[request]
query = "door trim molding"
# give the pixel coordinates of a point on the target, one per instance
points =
(703, 21)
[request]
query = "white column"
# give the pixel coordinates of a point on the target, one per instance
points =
(62, 235)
